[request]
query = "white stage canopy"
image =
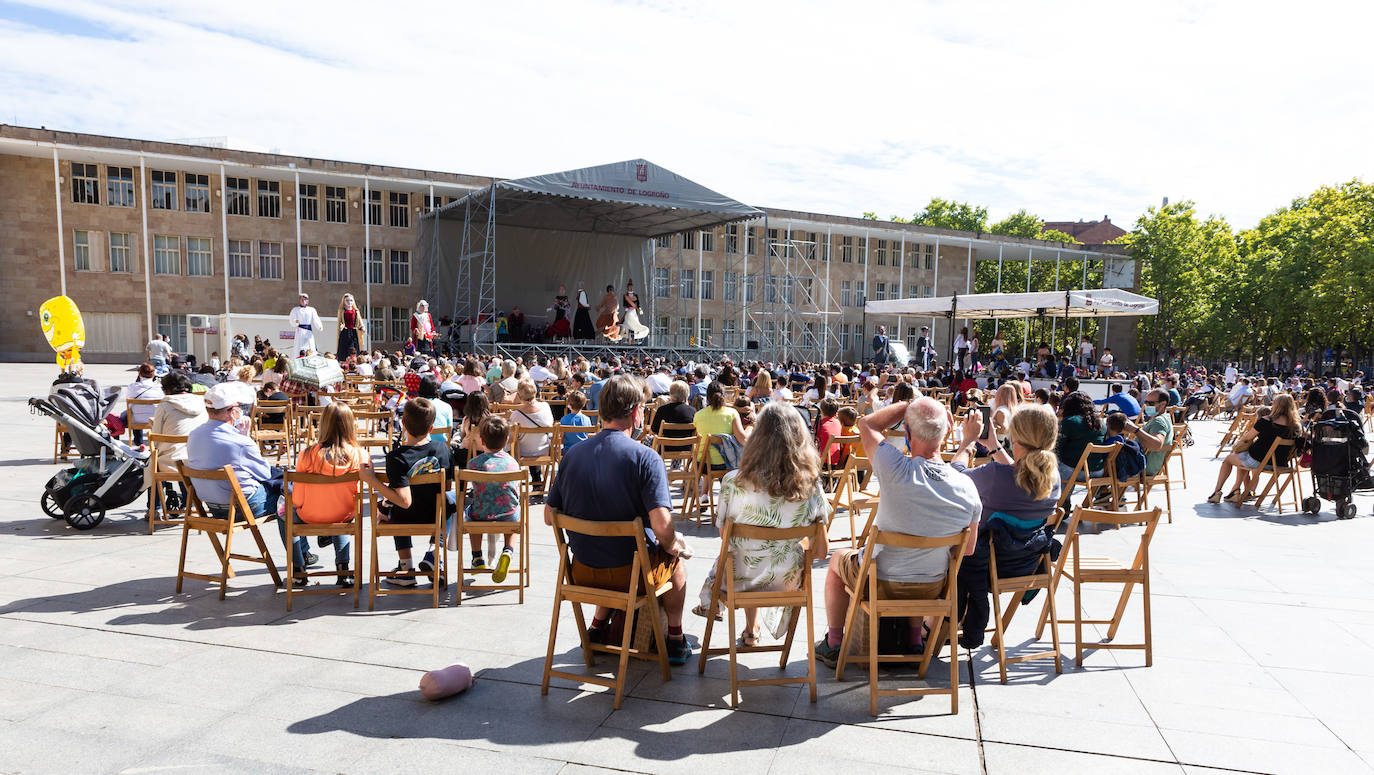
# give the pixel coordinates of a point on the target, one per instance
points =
(1106, 302)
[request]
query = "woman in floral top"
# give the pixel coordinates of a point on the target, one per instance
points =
(777, 484)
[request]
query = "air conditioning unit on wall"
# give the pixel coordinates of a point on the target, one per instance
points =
(199, 321)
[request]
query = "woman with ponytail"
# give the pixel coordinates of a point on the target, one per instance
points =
(1019, 493)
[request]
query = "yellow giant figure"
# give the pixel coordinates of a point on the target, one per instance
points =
(64, 330)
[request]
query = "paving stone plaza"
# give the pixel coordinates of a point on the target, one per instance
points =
(1263, 661)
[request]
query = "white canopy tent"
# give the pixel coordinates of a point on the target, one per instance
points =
(1103, 302)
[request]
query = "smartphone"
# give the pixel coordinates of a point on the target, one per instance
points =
(987, 423)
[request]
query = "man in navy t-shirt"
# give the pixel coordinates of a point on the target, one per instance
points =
(612, 478)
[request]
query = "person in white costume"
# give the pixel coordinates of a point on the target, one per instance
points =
(306, 321)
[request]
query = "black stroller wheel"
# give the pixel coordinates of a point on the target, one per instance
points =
(50, 505)
(1345, 511)
(1311, 504)
(85, 512)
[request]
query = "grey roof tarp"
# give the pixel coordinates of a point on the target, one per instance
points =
(635, 198)
(1105, 302)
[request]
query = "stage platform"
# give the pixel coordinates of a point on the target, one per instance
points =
(592, 350)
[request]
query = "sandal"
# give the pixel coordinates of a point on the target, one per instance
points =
(700, 610)
(749, 640)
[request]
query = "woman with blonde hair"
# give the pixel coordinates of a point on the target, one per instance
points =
(777, 484)
(337, 453)
(352, 328)
(1004, 402)
(763, 386)
(1020, 492)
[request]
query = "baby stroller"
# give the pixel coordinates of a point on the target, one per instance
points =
(1339, 467)
(109, 473)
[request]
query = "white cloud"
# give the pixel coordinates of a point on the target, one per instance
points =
(1070, 109)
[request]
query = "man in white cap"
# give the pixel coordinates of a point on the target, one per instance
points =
(218, 443)
(305, 321)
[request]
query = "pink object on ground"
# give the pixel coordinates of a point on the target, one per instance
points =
(446, 682)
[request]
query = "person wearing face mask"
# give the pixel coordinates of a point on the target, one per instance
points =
(1156, 436)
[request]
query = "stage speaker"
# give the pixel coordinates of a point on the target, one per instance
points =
(752, 344)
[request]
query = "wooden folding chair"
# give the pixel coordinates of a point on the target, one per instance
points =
(1093, 483)
(855, 497)
(1161, 480)
(1240, 423)
(1017, 586)
(680, 456)
(1285, 476)
(432, 530)
(306, 424)
(237, 516)
(271, 428)
(703, 495)
(1176, 453)
(465, 527)
(61, 444)
(867, 596)
(353, 527)
(1106, 570)
(162, 471)
(546, 463)
(795, 601)
(373, 431)
(830, 474)
(147, 426)
(641, 595)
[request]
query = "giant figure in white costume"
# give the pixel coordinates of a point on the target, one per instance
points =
(306, 321)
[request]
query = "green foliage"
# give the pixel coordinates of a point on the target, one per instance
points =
(949, 214)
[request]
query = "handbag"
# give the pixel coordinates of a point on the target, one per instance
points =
(1241, 446)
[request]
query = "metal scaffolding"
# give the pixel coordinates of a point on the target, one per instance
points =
(475, 305)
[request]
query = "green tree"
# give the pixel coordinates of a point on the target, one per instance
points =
(949, 214)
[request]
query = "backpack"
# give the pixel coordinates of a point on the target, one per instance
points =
(1130, 461)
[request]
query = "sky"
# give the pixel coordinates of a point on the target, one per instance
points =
(1071, 110)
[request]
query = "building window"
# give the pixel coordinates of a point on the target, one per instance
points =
(911, 338)
(880, 252)
(846, 293)
(708, 241)
(236, 189)
(706, 333)
(400, 267)
(664, 241)
(929, 291)
(912, 291)
(846, 250)
(728, 330)
(770, 334)
(863, 250)
(269, 199)
(164, 190)
(376, 325)
(689, 240)
(731, 281)
(399, 210)
(689, 281)
(269, 260)
(930, 256)
(336, 204)
(85, 183)
(308, 204)
(336, 264)
(174, 328)
(119, 186)
(200, 260)
(732, 238)
(770, 288)
(661, 283)
(81, 250)
(844, 337)
(859, 293)
(433, 202)
(772, 239)
(240, 258)
(400, 324)
(708, 285)
(661, 329)
(788, 294)
(310, 263)
(373, 268)
(880, 292)
(374, 208)
(807, 288)
(686, 331)
(197, 192)
(749, 288)
(751, 246)
(166, 255)
(121, 258)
